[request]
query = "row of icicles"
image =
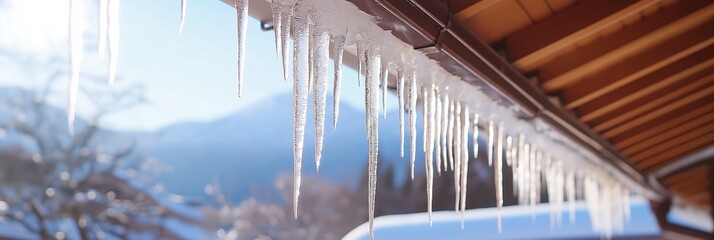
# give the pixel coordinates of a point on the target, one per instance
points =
(318, 27)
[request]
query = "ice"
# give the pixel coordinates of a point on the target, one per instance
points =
(464, 162)
(183, 15)
(455, 147)
(321, 56)
(508, 149)
(338, 48)
(498, 172)
(570, 190)
(428, 157)
(113, 36)
(76, 44)
(490, 142)
(286, 15)
(242, 27)
(383, 83)
(400, 93)
(450, 137)
(412, 119)
(300, 92)
(475, 136)
(425, 119)
(438, 128)
(445, 130)
(275, 6)
(103, 21)
(360, 61)
(372, 70)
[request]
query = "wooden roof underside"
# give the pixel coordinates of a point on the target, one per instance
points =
(638, 73)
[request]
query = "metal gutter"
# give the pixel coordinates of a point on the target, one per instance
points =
(429, 26)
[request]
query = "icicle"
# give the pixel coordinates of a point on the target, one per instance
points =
(445, 130)
(338, 48)
(113, 36)
(570, 189)
(509, 155)
(300, 92)
(498, 178)
(275, 6)
(437, 135)
(286, 15)
(242, 27)
(452, 121)
(490, 142)
(412, 119)
(385, 76)
(475, 136)
(455, 147)
(425, 120)
(464, 162)
(360, 62)
(400, 92)
(76, 44)
(183, 15)
(428, 157)
(371, 89)
(322, 56)
(103, 21)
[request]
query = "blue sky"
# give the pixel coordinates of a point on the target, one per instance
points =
(188, 77)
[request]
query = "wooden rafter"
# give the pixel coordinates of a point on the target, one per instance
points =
(660, 160)
(475, 8)
(704, 122)
(687, 104)
(657, 38)
(658, 127)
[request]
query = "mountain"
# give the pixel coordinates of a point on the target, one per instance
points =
(247, 150)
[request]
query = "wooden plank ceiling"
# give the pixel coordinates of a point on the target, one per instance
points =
(639, 73)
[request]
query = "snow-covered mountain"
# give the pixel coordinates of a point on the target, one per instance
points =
(246, 151)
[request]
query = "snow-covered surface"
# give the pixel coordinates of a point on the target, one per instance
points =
(517, 224)
(691, 217)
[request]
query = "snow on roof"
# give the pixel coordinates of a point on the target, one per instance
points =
(518, 223)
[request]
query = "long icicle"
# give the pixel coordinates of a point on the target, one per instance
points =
(464, 162)
(300, 92)
(242, 28)
(456, 145)
(183, 15)
(103, 22)
(321, 57)
(113, 37)
(429, 114)
(498, 168)
(425, 120)
(445, 130)
(437, 134)
(372, 64)
(412, 119)
(452, 121)
(489, 150)
(76, 43)
(338, 48)
(385, 78)
(400, 92)
(475, 136)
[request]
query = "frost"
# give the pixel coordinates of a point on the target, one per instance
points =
(242, 28)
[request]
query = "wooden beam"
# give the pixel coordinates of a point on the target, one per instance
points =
(656, 162)
(692, 179)
(657, 81)
(532, 45)
(674, 142)
(706, 95)
(663, 100)
(475, 8)
(662, 126)
(702, 122)
(657, 37)
(695, 188)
